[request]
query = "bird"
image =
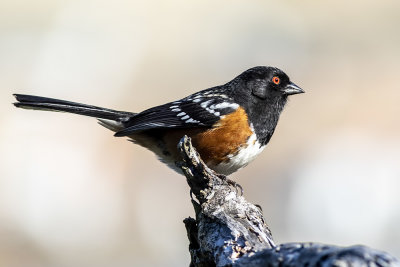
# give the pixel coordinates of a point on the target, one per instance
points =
(229, 124)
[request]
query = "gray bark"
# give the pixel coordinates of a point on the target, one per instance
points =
(229, 231)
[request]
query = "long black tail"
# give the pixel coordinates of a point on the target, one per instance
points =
(44, 103)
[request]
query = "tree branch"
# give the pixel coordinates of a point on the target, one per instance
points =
(229, 231)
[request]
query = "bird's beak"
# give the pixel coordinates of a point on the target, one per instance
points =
(292, 89)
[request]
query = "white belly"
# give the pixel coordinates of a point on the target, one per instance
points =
(245, 155)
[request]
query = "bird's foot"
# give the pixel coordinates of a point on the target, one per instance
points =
(230, 182)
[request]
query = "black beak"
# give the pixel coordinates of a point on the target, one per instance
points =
(292, 89)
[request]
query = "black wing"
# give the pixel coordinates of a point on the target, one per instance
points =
(202, 109)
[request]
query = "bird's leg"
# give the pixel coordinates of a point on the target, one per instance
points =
(231, 183)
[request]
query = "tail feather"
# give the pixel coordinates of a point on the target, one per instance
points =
(112, 125)
(51, 104)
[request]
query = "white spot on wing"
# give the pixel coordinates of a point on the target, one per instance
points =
(185, 117)
(191, 121)
(226, 105)
(181, 114)
(205, 104)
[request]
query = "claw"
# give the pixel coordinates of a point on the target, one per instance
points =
(236, 185)
(232, 183)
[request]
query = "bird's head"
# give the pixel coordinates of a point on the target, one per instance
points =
(262, 88)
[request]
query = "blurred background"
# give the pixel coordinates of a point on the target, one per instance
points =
(73, 195)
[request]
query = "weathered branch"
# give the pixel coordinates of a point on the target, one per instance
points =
(229, 231)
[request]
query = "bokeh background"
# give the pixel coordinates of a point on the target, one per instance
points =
(73, 195)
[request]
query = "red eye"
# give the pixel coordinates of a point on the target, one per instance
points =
(276, 80)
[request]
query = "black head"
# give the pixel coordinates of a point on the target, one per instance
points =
(265, 82)
(263, 92)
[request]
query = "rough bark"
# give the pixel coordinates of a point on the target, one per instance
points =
(229, 231)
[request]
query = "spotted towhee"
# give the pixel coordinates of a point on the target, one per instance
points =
(229, 124)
